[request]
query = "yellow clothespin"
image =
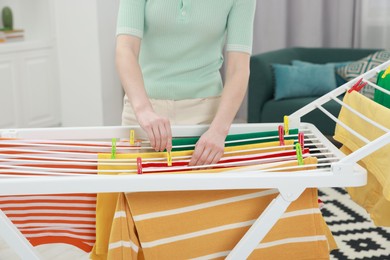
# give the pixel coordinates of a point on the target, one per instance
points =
(169, 158)
(286, 128)
(387, 72)
(132, 137)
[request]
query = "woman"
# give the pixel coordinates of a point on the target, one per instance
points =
(169, 53)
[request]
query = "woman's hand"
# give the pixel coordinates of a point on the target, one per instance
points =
(209, 148)
(157, 128)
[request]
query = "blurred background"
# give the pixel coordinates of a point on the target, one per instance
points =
(57, 63)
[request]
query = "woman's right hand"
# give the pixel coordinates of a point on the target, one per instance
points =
(157, 128)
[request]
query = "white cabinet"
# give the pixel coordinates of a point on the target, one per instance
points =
(28, 89)
(63, 72)
(38, 90)
(8, 92)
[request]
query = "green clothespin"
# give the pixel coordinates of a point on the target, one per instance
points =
(298, 149)
(113, 148)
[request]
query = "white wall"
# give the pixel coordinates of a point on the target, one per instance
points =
(90, 90)
(111, 86)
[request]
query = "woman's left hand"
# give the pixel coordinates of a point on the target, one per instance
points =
(209, 148)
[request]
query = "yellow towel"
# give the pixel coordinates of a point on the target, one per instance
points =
(375, 196)
(189, 224)
(106, 202)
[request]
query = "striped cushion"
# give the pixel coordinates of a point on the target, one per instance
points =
(355, 69)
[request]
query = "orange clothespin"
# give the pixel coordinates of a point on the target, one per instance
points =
(139, 165)
(301, 139)
(387, 72)
(358, 85)
(281, 135)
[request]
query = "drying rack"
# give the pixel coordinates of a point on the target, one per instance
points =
(333, 170)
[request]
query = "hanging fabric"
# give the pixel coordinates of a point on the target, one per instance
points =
(383, 80)
(213, 222)
(375, 196)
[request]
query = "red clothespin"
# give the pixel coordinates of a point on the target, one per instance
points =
(358, 85)
(301, 139)
(281, 135)
(320, 204)
(139, 165)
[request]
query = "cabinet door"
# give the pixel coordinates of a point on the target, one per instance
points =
(39, 91)
(9, 104)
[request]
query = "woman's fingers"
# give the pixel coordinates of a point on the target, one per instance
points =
(199, 154)
(208, 150)
(157, 138)
(159, 133)
(163, 135)
(168, 135)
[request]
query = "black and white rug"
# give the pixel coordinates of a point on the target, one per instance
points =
(356, 235)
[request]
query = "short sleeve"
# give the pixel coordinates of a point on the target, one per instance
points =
(131, 17)
(240, 26)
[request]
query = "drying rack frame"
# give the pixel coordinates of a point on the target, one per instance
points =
(345, 172)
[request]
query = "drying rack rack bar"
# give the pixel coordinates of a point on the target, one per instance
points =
(343, 171)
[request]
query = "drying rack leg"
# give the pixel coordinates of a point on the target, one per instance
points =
(16, 240)
(259, 229)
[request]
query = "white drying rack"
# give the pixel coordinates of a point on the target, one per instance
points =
(333, 170)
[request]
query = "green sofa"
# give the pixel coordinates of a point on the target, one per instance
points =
(262, 107)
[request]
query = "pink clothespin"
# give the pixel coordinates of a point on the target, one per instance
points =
(301, 139)
(281, 135)
(358, 85)
(139, 165)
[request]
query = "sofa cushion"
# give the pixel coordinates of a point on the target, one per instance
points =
(339, 80)
(275, 110)
(355, 69)
(303, 81)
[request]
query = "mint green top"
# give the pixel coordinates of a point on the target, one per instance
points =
(183, 40)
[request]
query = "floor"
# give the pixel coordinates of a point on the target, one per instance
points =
(47, 252)
(356, 236)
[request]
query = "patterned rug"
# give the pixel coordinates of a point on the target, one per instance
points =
(356, 235)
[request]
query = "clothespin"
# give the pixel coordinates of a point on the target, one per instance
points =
(132, 137)
(286, 127)
(139, 165)
(301, 139)
(358, 85)
(320, 204)
(169, 158)
(113, 148)
(298, 149)
(281, 135)
(387, 72)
